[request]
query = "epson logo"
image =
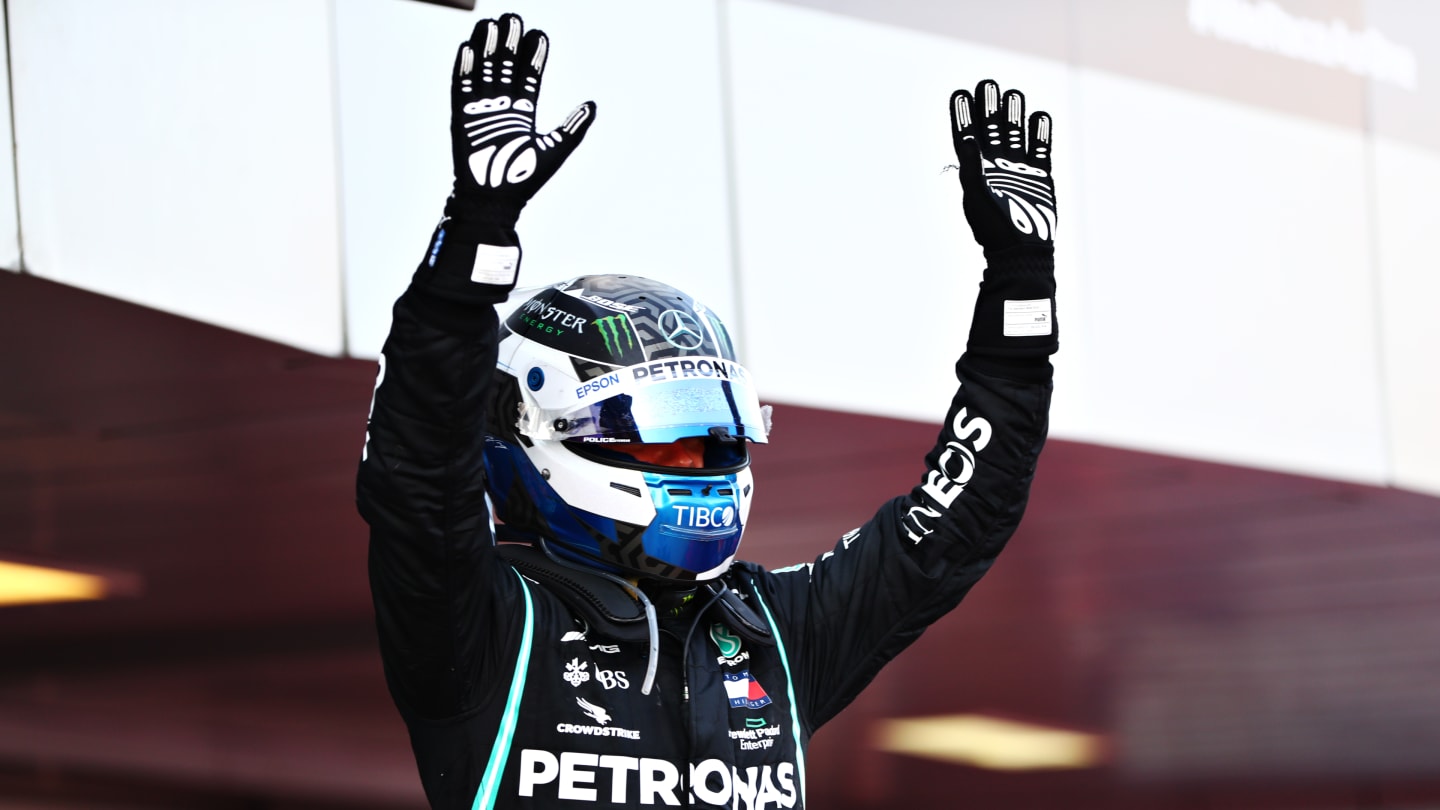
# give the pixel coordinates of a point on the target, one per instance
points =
(597, 384)
(629, 781)
(700, 517)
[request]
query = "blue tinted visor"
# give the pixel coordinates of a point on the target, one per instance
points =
(657, 403)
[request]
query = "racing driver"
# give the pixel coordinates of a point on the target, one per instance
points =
(601, 646)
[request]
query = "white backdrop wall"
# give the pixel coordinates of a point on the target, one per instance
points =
(645, 194)
(1242, 264)
(182, 155)
(1408, 284)
(1229, 318)
(9, 211)
(853, 244)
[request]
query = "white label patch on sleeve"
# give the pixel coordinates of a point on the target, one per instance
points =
(495, 265)
(1024, 318)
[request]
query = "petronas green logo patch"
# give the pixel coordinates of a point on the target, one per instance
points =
(618, 334)
(728, 642)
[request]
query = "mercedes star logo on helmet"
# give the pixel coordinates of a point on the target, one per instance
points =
(680, 330)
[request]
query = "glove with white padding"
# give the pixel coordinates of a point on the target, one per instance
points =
(500, 160)
(1009, 190)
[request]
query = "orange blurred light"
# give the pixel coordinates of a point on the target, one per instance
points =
(22, 584)
(990, 742)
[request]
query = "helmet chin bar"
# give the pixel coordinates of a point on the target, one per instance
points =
(636, 563)
(678, 525)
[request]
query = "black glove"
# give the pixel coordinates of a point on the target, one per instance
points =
(1010, 205)
(499, 159)
(1009, 193)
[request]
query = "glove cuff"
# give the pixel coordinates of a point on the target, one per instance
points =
(1014, 330)
(1021, 254)
(473, 258)
(484, 215)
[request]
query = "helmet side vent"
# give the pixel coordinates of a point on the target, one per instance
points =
(625, 488)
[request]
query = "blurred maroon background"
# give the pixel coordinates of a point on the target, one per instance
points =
(1240, 638)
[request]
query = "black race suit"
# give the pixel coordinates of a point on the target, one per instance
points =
(516, 697)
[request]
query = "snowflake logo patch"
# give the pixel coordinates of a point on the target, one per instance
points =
(577, 672)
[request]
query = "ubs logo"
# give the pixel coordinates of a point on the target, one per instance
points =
(681, 330)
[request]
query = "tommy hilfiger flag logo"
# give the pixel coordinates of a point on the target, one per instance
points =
(744, 691)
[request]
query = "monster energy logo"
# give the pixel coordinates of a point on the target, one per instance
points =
(614, 329)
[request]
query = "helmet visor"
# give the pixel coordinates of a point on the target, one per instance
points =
(657, 403)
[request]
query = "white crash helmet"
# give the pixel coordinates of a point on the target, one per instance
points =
(596, 365)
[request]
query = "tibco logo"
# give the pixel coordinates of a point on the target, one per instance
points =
(580, 777)
(700, 517)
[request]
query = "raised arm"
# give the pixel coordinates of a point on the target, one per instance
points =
(860, 604)
(441, 608)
